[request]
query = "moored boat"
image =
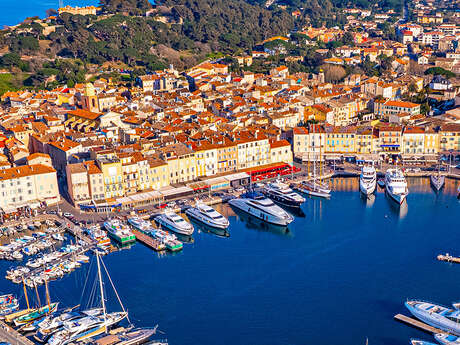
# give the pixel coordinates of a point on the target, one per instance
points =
(282, 194)
(257, 205)
(367, 180)
(437, 181)
(312, 190)
(420, 342)
(140, 224)
(172, 221)
(119, 231)
(207, 215)
(35, 314)
(441, 317)
(447, 339)
(396, 185)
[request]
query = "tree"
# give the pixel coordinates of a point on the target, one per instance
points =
(440, 71)
(333, 73)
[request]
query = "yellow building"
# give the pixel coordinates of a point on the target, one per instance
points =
(89, 98)
(227, 156)
(112, 172)
(158, 173)
(341, 140)
(83, 11)
(280, 151)
(364, 140)
(181, 162)
(431, 142)
(449, 137)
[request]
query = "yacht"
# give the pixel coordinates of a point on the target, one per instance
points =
(367, 180)
(207, 215)
(257, 205)
(447, 339)
(140, 224)
(170, 240)
(77, 330)
(281, 193)
(437, 181)
(396, 185)
(444, 318)
(172, 221)
(119, 231)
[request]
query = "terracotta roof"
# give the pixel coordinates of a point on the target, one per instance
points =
(25, 170)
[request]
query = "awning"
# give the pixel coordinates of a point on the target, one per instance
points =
(198, 185)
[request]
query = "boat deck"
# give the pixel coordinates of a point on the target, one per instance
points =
(148, 241)
(448, 258)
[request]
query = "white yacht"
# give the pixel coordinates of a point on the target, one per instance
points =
(140, 224)
(77, 330)
(447, 339)
(263, 208)
(396, 185)
(437, 181)
(207, 215)
(172, 221)
(282, 194)
(367, 180)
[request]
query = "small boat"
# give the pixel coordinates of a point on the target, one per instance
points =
(207, 215)
(435, 315)
(280, 193)
(396, 185)
(170, 240)
(257, 205)
(367, 180)
(58, 237)
(136, 337)
(8, 304)
(437, 181)
(172, 221)
(140, 224)
(35, 314)
(447, 339)
(119, 231)
(97, 234)
(420, 342)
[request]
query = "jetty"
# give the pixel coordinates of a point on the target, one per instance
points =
(11, 336)
(417, 324)
(448, 258)
(148, 241)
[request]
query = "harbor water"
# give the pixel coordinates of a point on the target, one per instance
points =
(14, 12)
(338, 274)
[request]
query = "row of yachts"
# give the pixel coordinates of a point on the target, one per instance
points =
(443, 318)
(394, 182)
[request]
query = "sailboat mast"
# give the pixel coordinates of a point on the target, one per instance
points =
(101, 287)
(25, 294)
(47, 295)
(38, 296)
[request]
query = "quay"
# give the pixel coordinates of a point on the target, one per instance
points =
(448, 258)
(417, 324)
(148, 241)
(11, 336)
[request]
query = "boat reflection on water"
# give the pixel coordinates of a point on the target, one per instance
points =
(367, 200)
(258, 224)
(210, 230)
(398, 210)
(295, 211)
(185, 238)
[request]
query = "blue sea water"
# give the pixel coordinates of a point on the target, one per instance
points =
(13, 12)
(337, 275)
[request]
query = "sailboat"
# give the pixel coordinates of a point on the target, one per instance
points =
(314, 187)
(437, 180)
(90, 326)
(35, 313)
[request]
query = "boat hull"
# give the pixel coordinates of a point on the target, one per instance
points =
(437, 181)
(122, 240)
(398, 198)
(311, 192)
(269, 218)
(367, 188)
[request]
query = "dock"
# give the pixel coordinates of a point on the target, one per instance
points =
(11, 336)
(417, 324)
(448, 258)
(148, 241)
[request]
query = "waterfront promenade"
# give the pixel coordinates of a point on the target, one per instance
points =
(11, 336)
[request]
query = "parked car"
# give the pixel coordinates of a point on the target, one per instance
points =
(68, 215)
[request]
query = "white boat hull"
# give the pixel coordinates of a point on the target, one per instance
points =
(317, 193)
(399, 198)
(367, 187)
(260, 214)
(437, 181)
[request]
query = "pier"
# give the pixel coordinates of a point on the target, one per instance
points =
(148, 241)
(417, 324)
(11, 336)
(448, 258)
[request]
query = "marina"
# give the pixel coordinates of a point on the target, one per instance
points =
(315, 235)
(417, 324)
